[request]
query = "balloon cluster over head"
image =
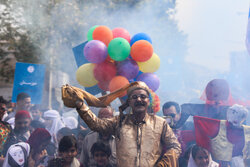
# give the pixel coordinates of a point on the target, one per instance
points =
(115, 59)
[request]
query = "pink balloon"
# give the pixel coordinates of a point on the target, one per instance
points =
(121, 32)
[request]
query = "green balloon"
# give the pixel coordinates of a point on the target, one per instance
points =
(119, 49)
(90, 33)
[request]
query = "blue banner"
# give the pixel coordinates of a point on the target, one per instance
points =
(80, 60)
(29, 78)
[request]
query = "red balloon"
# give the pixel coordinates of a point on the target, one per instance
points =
(104, 71)
(141, 51)
(103, 33)
(121, 32)
(117, 83)
(104, 85)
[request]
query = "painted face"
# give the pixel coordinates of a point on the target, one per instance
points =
(202, 158)
(235, 117)
(17, 154)
(139, 101)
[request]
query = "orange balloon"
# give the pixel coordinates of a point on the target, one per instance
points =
(117, 83)
(103, 33)
(141, 51)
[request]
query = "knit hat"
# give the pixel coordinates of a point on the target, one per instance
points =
(37, 137)
(22, 114)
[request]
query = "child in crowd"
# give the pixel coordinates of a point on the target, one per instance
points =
(67, 152)
(38, 141)
(200, 157)
(101, 153)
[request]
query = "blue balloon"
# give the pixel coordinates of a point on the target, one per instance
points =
(140, 36)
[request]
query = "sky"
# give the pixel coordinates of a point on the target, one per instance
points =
(214, 28)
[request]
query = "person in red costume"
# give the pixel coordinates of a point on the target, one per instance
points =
(227, 140)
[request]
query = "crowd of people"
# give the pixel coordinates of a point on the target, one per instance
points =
(31, 137)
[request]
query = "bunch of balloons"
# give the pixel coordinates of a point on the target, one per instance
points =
(115, 59)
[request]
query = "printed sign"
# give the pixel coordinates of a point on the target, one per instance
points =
(29, 78)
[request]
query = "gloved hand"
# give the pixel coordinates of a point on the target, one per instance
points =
(70, 95)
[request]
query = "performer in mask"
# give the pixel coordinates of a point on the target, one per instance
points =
(17, 155)
(227, 140)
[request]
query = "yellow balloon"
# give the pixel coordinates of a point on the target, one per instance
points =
(151, 65)
(85, 75)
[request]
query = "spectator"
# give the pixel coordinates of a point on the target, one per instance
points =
(38, 142)
(21, 131)
(171, 110)
(200, 157)
(23, 102)
(67, 152)
(17, 155)
(185, 134)
(86, 157)
(101, 153)
(53, 123)
(36, 113)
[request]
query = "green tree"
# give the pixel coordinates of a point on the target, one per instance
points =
(14, 39)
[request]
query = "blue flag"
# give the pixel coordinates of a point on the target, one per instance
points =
(80, 60)
(29, 78)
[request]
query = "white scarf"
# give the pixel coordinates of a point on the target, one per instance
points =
(70, 122)
(75, 163)
(191, 162)
(57, 123)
